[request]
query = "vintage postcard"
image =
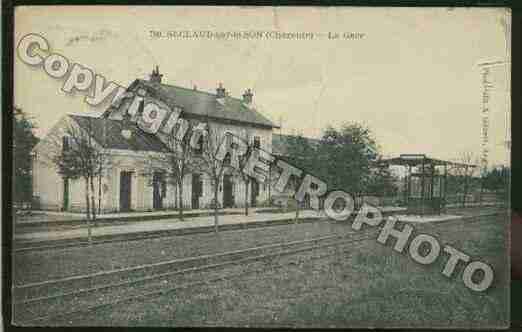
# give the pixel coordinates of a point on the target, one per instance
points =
(283, 167)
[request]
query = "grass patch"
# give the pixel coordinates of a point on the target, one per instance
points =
(368, 285)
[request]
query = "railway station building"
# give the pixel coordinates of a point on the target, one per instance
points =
(132, 182)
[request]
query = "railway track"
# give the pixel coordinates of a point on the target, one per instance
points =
(42, 301)
(82, 242)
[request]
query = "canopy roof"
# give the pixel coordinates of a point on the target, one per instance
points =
(419, 159)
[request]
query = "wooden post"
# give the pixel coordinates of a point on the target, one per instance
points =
(481, 188)
(406, 186)
(422, 187)
(445, 179)
(432, 201)
(432, 176)
(270, 185)
(465, 186)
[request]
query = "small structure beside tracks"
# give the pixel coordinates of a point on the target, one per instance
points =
(424, 182)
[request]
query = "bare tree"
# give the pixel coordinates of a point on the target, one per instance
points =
(464, 170)
(176, 163)
(294, 184)
(77, 155)
(243, 159)
(206, 161)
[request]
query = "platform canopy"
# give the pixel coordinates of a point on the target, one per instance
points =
(424, 186)
(419, 159)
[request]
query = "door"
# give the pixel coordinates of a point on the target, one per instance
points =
(158, 190)
(196, 190)
(65, 202)
(125, 191)
(228, 194)
(254, 192)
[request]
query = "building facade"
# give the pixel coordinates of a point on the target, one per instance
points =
(132, 178)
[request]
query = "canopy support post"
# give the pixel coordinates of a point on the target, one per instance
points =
(422, 187)
(445, 180)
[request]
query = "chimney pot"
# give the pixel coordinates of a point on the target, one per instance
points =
(155, 77)
(220, 91)
(248, 96)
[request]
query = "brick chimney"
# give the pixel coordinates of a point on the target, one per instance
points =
(220, 91)
(248, 96)
(155, 77)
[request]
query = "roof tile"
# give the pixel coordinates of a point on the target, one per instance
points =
(203, 104)
(108, 133)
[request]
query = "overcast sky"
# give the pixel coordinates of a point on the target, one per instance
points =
(412, 78)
